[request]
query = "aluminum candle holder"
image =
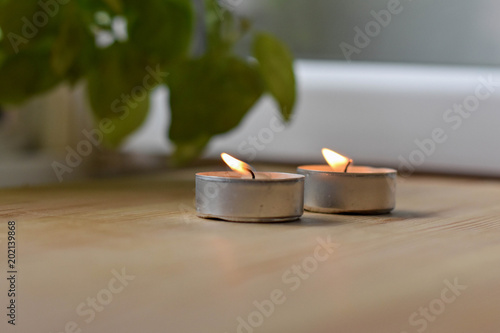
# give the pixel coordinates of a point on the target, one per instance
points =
(361, 190)
(270, 197)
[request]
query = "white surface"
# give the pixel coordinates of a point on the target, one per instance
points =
(370, 112)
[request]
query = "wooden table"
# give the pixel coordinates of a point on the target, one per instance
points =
(129, 255)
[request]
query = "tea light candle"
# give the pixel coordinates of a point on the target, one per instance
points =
(244, 195)
(340, 187)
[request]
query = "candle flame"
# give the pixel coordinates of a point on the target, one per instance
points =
(338, 162)
(237, 165)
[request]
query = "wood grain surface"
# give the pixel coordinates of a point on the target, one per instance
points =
(129, 255)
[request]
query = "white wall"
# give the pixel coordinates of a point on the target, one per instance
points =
(370, 112)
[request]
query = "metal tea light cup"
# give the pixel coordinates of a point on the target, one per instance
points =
(270, 197)
(362, 190)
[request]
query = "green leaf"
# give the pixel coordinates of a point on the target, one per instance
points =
(223, 28)
(220, 33)
(115, 5)
(19, 29)
(161, 29)
(24, 75)
(118, 89)
(93, 6)
(73, 45)
(276, 68)
(25, 70)
(3, 56)
(209, 96)
(15, 14)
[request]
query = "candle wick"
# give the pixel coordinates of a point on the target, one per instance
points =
(348, 163)
(251, 172)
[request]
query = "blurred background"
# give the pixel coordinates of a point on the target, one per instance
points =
(443, 32)
(413, 85)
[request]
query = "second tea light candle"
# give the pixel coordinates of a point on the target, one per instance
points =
(342, 188)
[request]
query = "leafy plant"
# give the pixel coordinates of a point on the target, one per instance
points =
(121, 49)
